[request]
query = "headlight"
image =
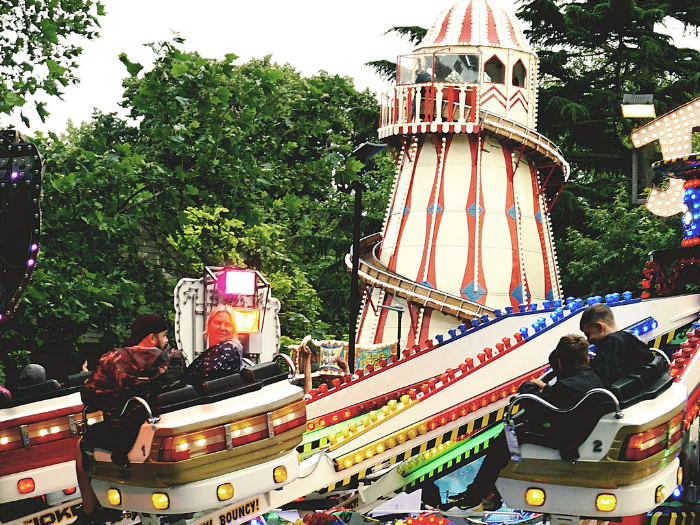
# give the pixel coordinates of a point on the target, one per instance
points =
(114, 497)
(660, 494)
(535, 497)
(160, 501)
(606, 502)
(280, 474)
(224, 492)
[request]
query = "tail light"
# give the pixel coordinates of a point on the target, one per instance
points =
(289, 417)
(645, 444)
(55, 429)
(10, 439)
(223, 437)
(187, 446)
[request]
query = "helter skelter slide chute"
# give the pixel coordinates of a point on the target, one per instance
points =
(466, 250)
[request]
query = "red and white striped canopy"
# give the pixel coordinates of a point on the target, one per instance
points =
(476, 23)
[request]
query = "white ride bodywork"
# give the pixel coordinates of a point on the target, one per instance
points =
(601, 450)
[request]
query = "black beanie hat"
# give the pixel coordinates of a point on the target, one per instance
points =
(143, 326)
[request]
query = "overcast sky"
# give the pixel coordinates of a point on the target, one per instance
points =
(338, 37)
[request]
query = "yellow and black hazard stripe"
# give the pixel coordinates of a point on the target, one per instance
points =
(669, 337)
(443, 469)
(672, 516)
(306, 449)
(479, 423)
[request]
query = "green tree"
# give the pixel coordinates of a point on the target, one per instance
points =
(38, 49)
(283, 157)
(228, 164)
(604, 248)
(591, 53)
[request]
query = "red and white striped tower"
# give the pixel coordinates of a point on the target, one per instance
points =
(467, 228)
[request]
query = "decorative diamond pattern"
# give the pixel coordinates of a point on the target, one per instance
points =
(435, 208)
(473, 210)
(469, 293)
(517, 293)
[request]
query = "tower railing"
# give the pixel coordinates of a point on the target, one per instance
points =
(429, 107)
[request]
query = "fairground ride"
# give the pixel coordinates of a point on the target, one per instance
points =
(467, 252)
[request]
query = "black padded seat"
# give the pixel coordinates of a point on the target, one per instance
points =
(266, 373)
(171, 400)
(566, 431)
(5, 400)
(46, 390)
(628, 392)
(228, 386)
(74, 380)
(647, 382)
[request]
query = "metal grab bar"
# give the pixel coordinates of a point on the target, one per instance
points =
(618, 411)
(151, 419)
(81, 426)
(657, 351)
(292, 368)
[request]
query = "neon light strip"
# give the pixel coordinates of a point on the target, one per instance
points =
(415, 468)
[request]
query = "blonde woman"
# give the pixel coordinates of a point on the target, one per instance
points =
(225, 352)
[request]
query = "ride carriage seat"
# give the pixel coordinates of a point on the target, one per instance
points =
(44, 390)
(566, 430)
(100, 439)
(76, 380)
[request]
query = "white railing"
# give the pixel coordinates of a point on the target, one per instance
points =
(427, 103)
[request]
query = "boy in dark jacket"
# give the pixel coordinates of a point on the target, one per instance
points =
(618, 353)
(572, 356)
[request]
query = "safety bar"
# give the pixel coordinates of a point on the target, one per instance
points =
(618, 411)
(657, 351)
(292, 368)
(82, 425)
(151, 419)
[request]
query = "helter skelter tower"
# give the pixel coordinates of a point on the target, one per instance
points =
(467, 230)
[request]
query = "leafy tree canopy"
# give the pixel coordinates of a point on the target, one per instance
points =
(241, 164)
(592, 52)
(37, 49)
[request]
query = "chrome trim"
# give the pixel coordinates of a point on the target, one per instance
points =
(270, 425)
(618, 411)
(151, 418)
(229, 441)
(71, 423)
(25, 436)
(292, 368)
